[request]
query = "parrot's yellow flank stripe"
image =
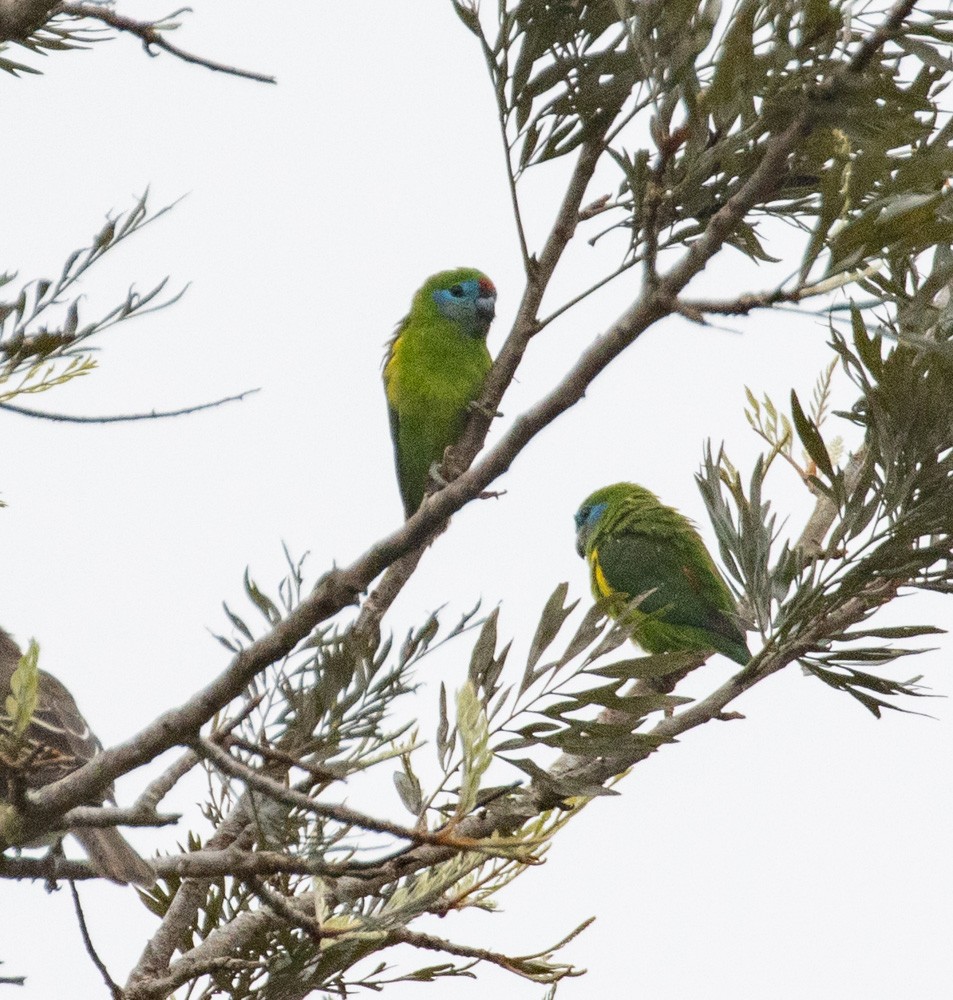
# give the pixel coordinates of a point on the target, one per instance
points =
(601, 582)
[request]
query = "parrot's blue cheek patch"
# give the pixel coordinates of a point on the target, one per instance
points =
(595, 512)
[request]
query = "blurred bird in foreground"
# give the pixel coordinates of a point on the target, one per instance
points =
(636, 545)
(56, 741)
(434, 368)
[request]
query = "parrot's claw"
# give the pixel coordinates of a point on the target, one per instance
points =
(485, 410)
(436, 475)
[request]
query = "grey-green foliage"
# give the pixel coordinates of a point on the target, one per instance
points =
(690, 95)
(890, 530)
(313, 724)
(43, 340)
(52, 36)
(684, 99)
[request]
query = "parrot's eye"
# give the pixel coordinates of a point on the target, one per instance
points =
(457, 291)
(590, 513)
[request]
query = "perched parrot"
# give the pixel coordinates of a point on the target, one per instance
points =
(635, 544)
(56, 741)
(434, 368)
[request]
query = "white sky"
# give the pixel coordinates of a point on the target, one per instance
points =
(802, 852)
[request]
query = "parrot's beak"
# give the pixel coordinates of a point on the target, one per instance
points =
(486, 308)
(581, 543)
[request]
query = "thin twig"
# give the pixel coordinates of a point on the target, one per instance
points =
(158, 789)
(111, 985)
(279, 756)
(502, 118)
(298, 800)
(127, 417)
(744, 304)
(430, 942)
(150, 33)
(601, 283)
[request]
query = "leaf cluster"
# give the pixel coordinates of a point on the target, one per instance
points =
(43, 341)
(52, 36)
(20, 705)
(560, 70)
(889, 525)
(313, 723)
(868, 178)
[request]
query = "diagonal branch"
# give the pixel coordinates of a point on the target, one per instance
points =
(525, 326)
(342, 586)
(510, 812)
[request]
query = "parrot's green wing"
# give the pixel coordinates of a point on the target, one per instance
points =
(407, 492)
(427, 397)
(690, 605)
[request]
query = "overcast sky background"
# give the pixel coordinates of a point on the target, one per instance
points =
(803, 852)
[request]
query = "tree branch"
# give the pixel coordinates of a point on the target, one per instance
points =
(125, 417)
(103, 816)
(207, 864)
(111, 984)
(811, 540)
(341, 587)
(151, 34)
(298, 800)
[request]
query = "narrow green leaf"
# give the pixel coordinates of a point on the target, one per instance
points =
(481, 659)
(551, 621)
(239, 625)
(22, 701)
(811, 437)
(408, 788)
(444, 741)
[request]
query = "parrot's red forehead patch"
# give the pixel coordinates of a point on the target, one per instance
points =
(487, 287)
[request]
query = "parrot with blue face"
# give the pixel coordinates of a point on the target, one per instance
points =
(634, 545)
(434, 368)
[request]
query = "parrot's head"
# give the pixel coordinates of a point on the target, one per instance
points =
(586, 519)
(602, 509)
(466, 297)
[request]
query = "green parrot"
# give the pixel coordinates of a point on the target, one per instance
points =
(633, 544)
(434, 368)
